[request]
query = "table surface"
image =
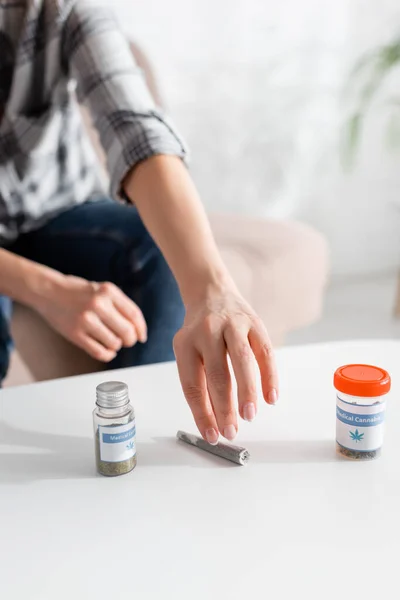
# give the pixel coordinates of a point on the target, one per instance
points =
(298, 521)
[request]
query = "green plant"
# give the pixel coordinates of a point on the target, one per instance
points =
(365, 82)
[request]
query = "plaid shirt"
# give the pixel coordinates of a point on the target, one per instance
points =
(51, 51)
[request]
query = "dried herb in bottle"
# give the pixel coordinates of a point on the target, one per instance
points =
(356, 455)
(114, 429)
(360, 410)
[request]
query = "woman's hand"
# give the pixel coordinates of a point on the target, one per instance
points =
(218, 325)
(218, 321)
(97, 317)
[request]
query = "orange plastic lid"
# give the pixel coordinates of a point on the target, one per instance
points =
(362, 380)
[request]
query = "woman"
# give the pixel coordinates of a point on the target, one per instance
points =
(88, 264)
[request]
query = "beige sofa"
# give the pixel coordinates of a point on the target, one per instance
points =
(280, 267)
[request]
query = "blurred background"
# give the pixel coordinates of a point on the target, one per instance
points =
(292, 113)
(257, 89)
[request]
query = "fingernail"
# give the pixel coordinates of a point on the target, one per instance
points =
(272, 397)
(212, 437)
(249, 412)
(230, 432)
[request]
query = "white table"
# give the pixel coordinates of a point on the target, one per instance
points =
(297, 522)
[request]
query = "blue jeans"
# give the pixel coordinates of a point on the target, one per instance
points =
(106, 241)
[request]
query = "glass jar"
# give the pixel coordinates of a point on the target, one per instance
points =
(114, 429)
(360, 410)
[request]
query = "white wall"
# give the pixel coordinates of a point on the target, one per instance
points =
(256, 87)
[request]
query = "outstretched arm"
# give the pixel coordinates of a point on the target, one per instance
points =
(145, 161)
(218, 321)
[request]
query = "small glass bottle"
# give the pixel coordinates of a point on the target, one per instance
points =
(114, 429)
(360, 410)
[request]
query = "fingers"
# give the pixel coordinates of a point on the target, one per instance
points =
(262, 348)
(119, 313)
(131, 312)
(100, 333)
(220, 388)
(193, 382)
(201, 353)
(242, 360)
(125, 330)
(94, 349)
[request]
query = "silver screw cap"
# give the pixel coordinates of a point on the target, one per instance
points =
(112, 394)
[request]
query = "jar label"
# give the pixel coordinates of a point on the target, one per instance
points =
(117, 443)
(359, 427)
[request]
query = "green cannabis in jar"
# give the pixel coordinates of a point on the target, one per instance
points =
(361, 392)
(114, 429)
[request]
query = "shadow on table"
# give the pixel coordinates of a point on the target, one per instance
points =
(72, 457)
(168, 452)
(57, 456)
(293, 451)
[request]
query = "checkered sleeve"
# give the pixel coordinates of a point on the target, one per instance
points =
(109, 83)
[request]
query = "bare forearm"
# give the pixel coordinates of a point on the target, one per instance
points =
(169, 205)
(22, 279)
